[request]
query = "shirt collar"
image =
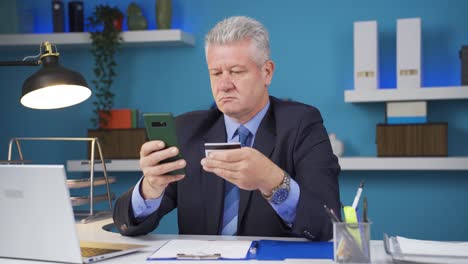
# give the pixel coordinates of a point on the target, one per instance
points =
(252, 124)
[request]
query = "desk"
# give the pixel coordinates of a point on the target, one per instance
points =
(93, 231)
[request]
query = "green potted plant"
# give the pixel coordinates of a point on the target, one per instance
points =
(105, 27)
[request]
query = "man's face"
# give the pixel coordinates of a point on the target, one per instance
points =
(239, 85)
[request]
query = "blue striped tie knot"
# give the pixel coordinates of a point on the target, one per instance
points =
(231, 192)
(244, 136)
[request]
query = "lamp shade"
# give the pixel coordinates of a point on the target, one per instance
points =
(54, 86)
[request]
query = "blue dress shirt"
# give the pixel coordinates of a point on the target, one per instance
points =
(286, 210)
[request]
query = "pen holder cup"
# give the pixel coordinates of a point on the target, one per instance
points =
(351, 242)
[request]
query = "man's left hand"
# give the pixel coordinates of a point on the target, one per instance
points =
(247, 168)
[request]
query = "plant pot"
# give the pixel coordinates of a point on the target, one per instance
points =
(135, 18)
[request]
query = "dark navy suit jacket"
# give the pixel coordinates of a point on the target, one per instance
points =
(292, 135)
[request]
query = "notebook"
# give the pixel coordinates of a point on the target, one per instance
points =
(37, 218)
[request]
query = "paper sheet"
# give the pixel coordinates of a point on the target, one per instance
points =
(434, 248)
(407, 250)
(228, 249)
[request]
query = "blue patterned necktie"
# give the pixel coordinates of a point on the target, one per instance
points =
(231, 192)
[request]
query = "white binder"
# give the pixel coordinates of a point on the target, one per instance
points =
(366, 74)
(409, 53)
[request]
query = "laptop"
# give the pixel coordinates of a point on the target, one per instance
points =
(37, 220)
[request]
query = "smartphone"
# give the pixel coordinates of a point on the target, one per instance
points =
(161, 126)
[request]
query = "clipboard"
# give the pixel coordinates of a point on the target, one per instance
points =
(244, 250)
(203, 250)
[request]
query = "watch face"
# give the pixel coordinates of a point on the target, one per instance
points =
(280, 195)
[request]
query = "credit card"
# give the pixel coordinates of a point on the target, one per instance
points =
(209, 147)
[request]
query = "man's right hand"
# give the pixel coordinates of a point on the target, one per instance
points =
(155, 174)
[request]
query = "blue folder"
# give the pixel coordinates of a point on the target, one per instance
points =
(280, 250)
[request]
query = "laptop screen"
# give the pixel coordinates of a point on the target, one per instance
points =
(37, 216)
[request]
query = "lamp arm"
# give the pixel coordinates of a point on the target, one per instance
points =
(19, 63)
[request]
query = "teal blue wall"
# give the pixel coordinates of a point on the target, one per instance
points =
(312, 45)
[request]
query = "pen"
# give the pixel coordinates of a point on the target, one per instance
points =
(331, 214)
(358, 195)
(364, 210)
(363, 228)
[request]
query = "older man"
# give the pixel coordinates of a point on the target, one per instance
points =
(275, 185)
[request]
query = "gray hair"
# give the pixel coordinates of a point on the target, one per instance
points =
(238, 28)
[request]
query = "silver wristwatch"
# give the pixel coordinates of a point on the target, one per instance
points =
(280, 193)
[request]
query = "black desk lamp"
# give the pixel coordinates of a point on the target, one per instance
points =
(53, 86)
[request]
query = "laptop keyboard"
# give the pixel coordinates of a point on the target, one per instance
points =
(92, 252)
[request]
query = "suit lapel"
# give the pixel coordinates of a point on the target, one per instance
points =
(213, 185)
(264, 142)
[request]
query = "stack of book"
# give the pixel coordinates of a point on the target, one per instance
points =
(120, 137)
(407, 132)
(120, 119)
(406, 112)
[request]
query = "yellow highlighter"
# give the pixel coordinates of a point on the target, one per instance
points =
(352, 222)
(350, 215)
